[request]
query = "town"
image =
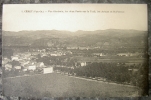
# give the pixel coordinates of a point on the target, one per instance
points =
(85, 62)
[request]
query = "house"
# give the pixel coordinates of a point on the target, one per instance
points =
(135, 70)
(56, 54)
(15, 58)
(83, 64)
(8, 67)
(32, 67)
(72, 47)
(25, 70)
(25, 63)
(98, 54)
(83, 48)
(47, 70)
(53, 54)
(123, 54)
(5, 61)
(40, 64)
(17, 67)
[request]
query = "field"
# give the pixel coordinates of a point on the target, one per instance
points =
(58, 85)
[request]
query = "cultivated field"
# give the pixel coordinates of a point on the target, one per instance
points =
(58, 85)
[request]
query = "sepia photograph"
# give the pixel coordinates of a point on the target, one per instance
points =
(76, 50)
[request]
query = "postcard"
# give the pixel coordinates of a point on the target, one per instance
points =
(75, 50)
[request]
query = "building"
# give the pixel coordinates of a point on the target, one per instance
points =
(123, 54)
(32, 67)
(47, 70)
(83, 64)
(98, 54)
(17, 67)
(72, 47)
(15, 58)
(8, 67)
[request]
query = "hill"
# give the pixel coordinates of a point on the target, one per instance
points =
(112, 37)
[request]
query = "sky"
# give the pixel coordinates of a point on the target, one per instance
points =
(47, 17)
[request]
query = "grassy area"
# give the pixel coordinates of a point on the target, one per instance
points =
(58, 85)
(114, 59)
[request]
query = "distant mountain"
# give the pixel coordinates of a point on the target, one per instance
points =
(38, 34)
(110, 37)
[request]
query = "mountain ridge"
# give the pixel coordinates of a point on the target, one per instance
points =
(78, 38)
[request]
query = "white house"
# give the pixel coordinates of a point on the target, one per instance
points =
(41, 64)
(83, 64)
(17, 67)
(15, 58)
(48, 70)
(32, 67)
(8, 67)
(99, 54)
(123, 54)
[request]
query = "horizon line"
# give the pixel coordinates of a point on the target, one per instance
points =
(74, 31)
